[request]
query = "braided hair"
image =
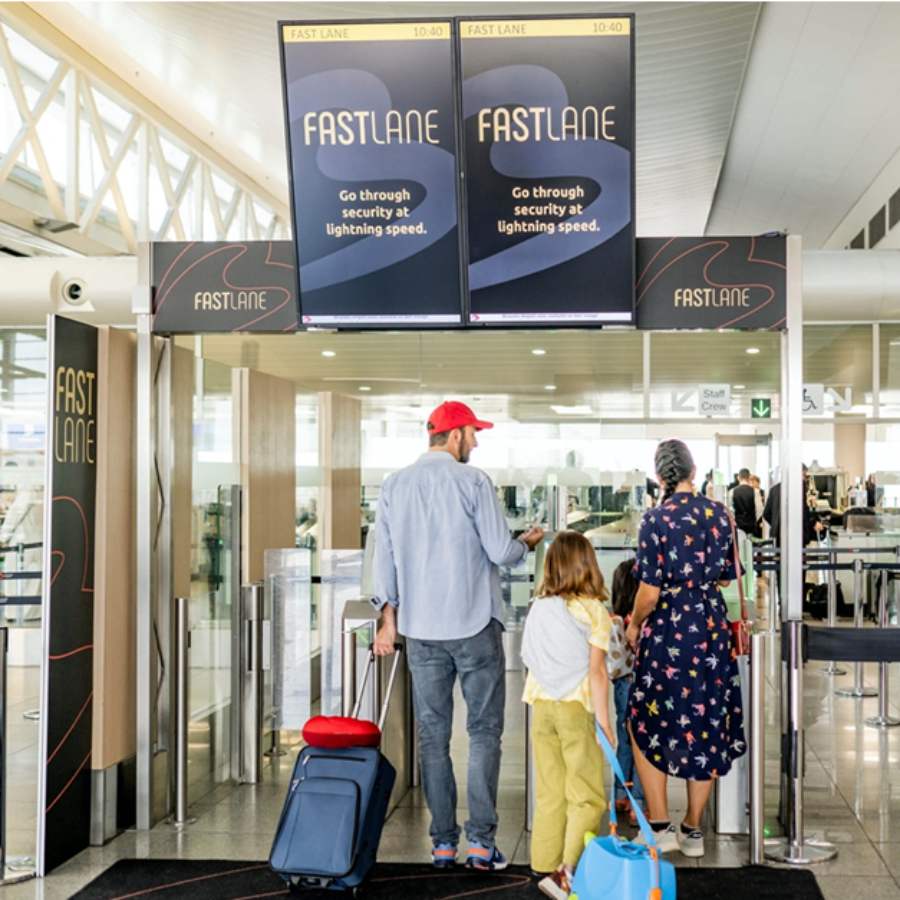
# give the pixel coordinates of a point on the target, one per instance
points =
(674, 464)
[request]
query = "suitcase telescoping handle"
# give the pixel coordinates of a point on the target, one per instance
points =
(398, 649)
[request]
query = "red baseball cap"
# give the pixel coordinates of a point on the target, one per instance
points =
(451, 414)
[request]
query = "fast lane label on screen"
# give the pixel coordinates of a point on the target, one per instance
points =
(548, 110)
(372, 149)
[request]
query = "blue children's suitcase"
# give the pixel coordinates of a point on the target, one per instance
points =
(611, 867)
(331, 824)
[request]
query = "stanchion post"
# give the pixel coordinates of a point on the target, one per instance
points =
(774, 616)
(831, 579)
(182, 709)
(758, 643)
(348, 672)
(253, 687)
(795, 849)
(884, 719)
(859, 688)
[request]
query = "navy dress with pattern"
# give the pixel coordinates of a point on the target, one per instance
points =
(685, 705)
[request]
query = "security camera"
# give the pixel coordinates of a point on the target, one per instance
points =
(73, 292)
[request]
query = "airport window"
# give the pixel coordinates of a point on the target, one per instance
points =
(859, 242)
(894, 209)
(876, 228)
(749, 362)
(889, 396)
(839, 357)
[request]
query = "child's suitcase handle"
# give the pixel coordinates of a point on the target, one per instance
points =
(398, 649)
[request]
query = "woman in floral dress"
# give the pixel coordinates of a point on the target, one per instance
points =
(685, 715)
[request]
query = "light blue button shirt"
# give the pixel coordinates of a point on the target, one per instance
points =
(440, 537)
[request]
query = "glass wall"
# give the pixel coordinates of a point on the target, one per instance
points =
(23, 413)
(212, 593)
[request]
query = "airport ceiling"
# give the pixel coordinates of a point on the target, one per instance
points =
(750, 116)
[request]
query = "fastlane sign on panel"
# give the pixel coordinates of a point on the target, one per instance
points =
(68, 594)
(371, 116)
(712, 282)
(223, 286)
(548, 109)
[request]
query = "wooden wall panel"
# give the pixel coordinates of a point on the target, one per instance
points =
(182, 469)
(850, 450)
(114, 722)
(340, 461)
(264, 433)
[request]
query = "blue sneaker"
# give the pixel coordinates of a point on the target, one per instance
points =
(443, 856)
(485, 859)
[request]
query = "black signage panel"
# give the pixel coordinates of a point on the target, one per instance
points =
(224, 286)
(371, 128)
(68, 593)
(548, 110)
(712, 283)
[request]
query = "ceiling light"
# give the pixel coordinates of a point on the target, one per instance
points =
(753, 350)
(364, 387)
(539, 351)
(328, 354)
(549, 387)
(582, 410)
(740, 387)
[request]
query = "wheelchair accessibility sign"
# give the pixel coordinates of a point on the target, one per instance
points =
(814, 399)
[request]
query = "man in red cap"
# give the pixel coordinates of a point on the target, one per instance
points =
(440, 539)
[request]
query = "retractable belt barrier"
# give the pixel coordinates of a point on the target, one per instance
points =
(19, 548)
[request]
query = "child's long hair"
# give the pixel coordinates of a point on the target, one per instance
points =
(571, 570)
(624, 588)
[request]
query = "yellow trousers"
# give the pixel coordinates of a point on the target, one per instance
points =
(569, 795)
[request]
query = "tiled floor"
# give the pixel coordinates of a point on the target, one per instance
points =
(852, 797)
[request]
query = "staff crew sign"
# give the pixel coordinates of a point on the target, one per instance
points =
(372, 145)
(548, 110)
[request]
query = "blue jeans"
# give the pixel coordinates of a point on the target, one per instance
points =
(621, 689)
(480, 664)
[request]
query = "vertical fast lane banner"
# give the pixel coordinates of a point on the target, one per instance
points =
(64, 815)
(548, 110)
(371, 127)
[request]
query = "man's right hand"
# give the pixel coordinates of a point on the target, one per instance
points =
(386, 636)
(532, 537)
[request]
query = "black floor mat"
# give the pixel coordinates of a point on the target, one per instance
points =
(229, 880)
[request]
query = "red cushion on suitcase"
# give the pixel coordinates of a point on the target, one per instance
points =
(335, 732)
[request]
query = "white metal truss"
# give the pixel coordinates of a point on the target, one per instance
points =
(126, 178)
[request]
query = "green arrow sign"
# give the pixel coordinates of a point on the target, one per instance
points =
(761, 409)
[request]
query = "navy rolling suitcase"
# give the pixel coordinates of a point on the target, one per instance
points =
(332, 820)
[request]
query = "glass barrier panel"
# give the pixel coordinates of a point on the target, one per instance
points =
(295, 635)
(342, 578)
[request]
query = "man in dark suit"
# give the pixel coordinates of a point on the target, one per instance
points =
(743, 501)
(772, 513)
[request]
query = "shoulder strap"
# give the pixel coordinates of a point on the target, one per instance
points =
(738, 568)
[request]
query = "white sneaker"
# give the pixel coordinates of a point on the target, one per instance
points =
(666, 840)
(692, 843)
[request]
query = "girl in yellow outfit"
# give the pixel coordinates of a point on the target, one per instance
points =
(564, 647)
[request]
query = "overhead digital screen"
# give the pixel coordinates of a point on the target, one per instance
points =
(548, 112)
(371, 124)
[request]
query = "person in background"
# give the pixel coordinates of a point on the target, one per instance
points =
(685, 715)
(772, 513)
(707, 483)
(756, 484)
(871, 492)
(620, 662)
(564, 646)
(734, 482)
(743, 502)
(440, 539)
